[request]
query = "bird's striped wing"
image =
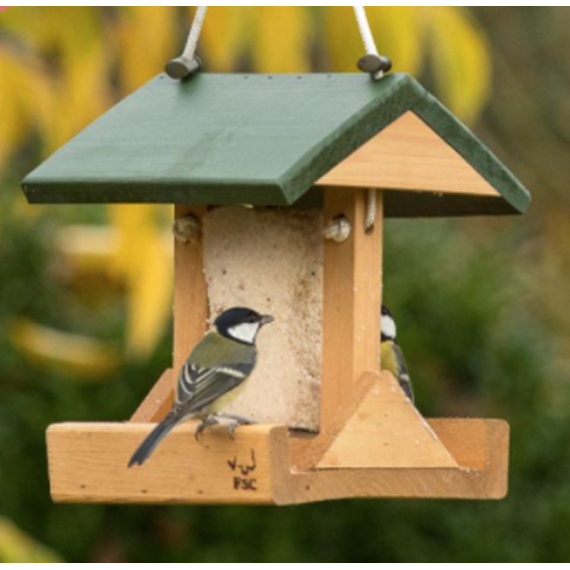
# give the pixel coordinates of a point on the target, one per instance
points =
(199, 387)
(402, 372)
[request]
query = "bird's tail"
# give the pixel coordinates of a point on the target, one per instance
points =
(149, 445)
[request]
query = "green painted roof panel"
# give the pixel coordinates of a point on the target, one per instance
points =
(239, 139)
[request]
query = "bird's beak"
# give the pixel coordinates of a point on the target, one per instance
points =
(266, 320)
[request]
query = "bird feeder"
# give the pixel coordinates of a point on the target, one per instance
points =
(281, 184)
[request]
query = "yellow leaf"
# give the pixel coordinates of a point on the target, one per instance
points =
(88, 250)
(281, 41)
(147, 267)
(225, 37)
(399, 34)
(82, 357)
(81, 97)
(276, 38)
(149, 300)
(146, 40)
(16, 547)
(134, 227)
(342, 38)
(58, 30)
(461, 60)
(22, 78)
(76, 90)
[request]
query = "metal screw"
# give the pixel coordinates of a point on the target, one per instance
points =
(187, 230)
(338, 230)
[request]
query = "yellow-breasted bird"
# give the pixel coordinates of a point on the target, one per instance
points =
(214, 375)
(392, 356)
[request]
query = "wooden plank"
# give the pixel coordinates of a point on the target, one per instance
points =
(469, 446)
(190, 294)
(88, 465)
(352, 301)
(409, 155)
(484, 442)
(190, 319)
(386, 431)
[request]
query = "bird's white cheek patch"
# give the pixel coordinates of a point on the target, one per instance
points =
(246, 332)
(389, 327)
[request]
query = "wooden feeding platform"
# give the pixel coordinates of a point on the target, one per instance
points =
(263, 165)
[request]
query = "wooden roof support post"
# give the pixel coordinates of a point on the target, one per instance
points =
(191, 292)
(190, 318)
(352, 301)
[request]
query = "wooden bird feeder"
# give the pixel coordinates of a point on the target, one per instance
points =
(265, 164)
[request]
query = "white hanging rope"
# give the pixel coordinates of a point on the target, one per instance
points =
(371, 50)
(365, 30)
(371, 210)
(195, 33)
(379, 65)
(187, 63)
(338, 230)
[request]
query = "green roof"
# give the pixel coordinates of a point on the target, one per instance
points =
(264, 140)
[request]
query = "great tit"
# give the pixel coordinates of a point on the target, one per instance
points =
(392, 356)
(214, 375)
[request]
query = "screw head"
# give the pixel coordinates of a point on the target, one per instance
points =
(187, 230)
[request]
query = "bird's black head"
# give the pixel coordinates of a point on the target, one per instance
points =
(241, 325)
(389, 329)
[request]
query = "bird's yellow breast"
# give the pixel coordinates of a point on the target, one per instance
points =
(224, 401)
(389, 363)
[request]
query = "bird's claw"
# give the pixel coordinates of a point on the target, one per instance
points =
(237, 423)
(232, 429)
(204, 424)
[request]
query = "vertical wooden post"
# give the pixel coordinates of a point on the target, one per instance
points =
(352, 301)
(190, 319)
(190, 294)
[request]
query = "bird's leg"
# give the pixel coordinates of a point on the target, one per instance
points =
(242, 420)
(236, 421)
(205, 423)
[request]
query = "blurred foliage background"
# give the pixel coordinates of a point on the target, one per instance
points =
(85, 292)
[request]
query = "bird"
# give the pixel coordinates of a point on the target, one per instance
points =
(392, 356)
(214, 375)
